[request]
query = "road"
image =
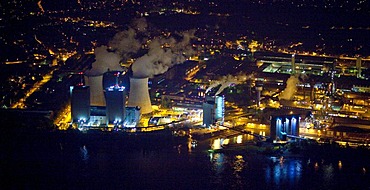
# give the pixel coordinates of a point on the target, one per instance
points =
(21, 102)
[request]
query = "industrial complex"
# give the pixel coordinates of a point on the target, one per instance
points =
(294, 106)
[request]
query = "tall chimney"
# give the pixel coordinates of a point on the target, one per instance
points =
(139, 95)
(259, 90)
(293, 64)
(358, 67)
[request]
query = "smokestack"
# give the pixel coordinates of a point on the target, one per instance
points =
(139, 95)
(293, 64)
(96, 89)
(358, 67)
(259, 90)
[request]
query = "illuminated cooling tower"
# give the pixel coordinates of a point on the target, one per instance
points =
(139, 95)
(96, 89)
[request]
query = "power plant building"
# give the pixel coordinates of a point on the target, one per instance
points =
(115, 100)
(108, 104)
(220, 108)
(80, 103)
(98, 116)
(213, 110)
(284, 126)
(113, 78)
(208, 113)
(132, 116)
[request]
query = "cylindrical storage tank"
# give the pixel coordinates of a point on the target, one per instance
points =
(96, 89)
(139, 95)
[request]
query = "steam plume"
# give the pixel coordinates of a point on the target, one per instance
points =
(290, 89)
(163, 53)
(140, 25)
(104, 60)
(228, 80)
(125, 43)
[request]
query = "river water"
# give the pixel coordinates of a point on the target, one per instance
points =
(66, 163)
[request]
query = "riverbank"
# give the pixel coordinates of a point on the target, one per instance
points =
(300, 149)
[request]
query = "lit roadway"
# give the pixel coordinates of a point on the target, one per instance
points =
(36, 86)
(64, 118)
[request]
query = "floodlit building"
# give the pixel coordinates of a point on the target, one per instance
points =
(213, 110)
(284, 126)
(115, 100)
(98, 116)
(132, 116)
(115, 96)
(103, 102)
(208, 113)
(220, 109)
(113, 78)
(159, 120)
(80, 103)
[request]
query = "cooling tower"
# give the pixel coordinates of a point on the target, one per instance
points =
(139, 95)
(96, 89)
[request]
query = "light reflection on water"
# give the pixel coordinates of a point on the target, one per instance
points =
(218, 143)
(328, 173)
(287, 171)
(84, 153)
(177, 167)
(226, 167)
(238, 166)
(242, 171)
(218, 162)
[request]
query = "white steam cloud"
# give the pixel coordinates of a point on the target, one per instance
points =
(228, 80)
(125, 43)
(163, 52)
(105, 60)
(290, 89)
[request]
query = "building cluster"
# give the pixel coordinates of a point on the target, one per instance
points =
(103, 103)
